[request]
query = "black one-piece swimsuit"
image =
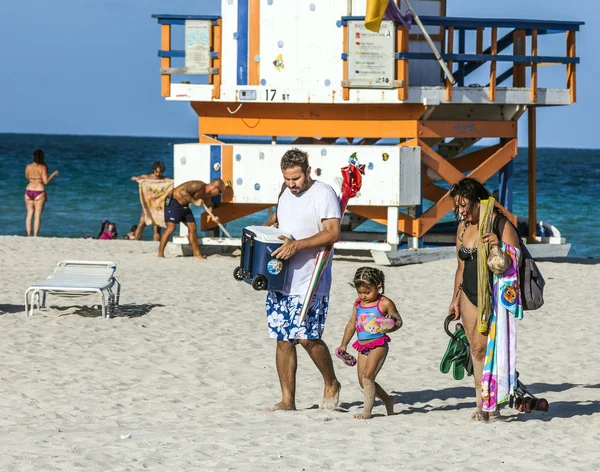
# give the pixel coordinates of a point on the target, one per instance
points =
(469, 284)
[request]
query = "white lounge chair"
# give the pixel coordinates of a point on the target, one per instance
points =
(74, 279)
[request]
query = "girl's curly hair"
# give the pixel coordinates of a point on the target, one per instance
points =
(369, 277)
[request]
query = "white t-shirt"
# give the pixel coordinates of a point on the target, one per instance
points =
(301, 215)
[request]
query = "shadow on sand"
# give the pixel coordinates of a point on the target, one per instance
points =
(4, 309)
(558, 409)
(123, 311)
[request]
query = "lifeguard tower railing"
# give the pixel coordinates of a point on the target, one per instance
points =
(469, 56)
(441, 118)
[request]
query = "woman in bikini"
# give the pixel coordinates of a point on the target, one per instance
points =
(467, 195)
(35, 192)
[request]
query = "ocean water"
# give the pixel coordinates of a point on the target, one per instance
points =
(95, 184)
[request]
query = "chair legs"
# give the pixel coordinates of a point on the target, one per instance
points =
(113, 298)
(27, 292)
(35, 300)
(118, 292)
(111, 303)
(32, 299)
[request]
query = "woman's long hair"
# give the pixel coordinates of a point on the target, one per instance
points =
(472, 190)
(38, 157)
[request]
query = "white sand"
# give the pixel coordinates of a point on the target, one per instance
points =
(187, 368)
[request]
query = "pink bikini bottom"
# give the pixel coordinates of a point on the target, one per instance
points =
(33, 194)
(365, 348)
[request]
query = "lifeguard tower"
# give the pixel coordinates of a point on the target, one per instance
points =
(309, 72)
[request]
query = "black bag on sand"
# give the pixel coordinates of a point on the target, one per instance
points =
(531, 280)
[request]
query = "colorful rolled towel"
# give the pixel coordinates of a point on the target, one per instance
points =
(499, 379)
(152, 198)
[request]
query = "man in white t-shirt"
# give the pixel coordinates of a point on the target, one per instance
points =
(310, 211)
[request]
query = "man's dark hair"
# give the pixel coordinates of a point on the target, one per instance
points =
(472, 190)
(294, 158)
(217, 182)
(158, 165)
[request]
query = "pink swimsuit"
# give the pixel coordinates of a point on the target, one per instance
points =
(368, 321)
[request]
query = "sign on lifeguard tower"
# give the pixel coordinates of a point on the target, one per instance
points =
(371, 61)
(197, 46)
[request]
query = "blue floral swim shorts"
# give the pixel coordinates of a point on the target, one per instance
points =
(283, 313)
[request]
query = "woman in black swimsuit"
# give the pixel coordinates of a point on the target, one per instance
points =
(466, 194)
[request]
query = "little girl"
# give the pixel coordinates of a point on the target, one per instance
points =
(373, 316)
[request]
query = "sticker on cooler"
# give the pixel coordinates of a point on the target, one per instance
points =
(274, 266)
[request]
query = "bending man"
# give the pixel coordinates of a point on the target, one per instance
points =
(310, 211)
(177, 210)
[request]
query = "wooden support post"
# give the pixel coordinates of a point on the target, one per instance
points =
(519, 40)
(217, 63)
(345, 90)
(534, 66)
(165, 62)
(479, 41)
(571, 52)
(449, 63)
(531, 153)
(392, 227)
(402, 64)
(493, 51)
(413, 241)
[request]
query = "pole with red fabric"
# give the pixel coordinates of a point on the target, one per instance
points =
(351, 185)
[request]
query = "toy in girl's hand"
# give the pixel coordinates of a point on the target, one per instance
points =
(386, 324)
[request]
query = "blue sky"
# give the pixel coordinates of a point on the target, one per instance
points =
(90, 67)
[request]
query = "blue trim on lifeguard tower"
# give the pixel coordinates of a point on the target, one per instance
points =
(180, 19)
(541, 26)
(215, 170)
(505, 192)
(242, 39)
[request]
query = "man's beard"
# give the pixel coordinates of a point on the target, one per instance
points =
(304, 188)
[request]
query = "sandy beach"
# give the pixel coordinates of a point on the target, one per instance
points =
(178, 380)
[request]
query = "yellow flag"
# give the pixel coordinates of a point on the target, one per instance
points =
(375, 11)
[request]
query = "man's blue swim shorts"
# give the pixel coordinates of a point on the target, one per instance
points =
(283, 313)
(175, 212)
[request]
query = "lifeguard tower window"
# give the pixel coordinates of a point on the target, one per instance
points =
(371, 56)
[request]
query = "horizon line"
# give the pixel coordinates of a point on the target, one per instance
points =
(244, 137)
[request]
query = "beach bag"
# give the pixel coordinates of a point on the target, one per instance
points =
(530, 278)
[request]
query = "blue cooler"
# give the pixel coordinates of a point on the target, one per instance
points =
(257, 267)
